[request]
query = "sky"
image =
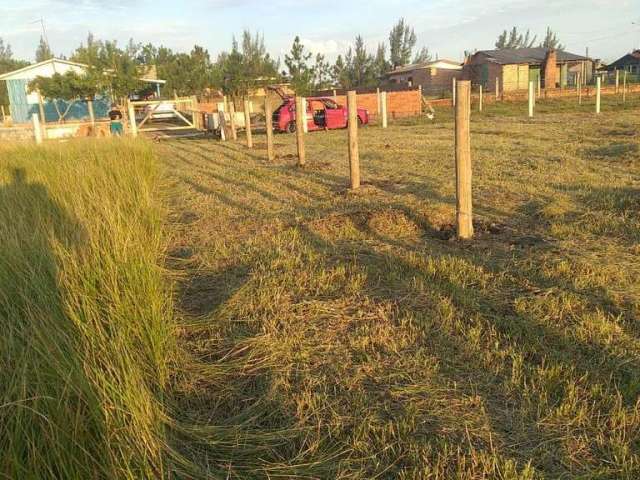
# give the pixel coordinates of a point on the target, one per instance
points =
(446, 27)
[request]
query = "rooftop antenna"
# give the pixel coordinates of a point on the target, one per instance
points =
(44, 31)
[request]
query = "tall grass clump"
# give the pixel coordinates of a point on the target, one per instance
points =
(86, 321)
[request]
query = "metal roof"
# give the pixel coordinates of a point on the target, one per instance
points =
(528, 55)
(419, 66)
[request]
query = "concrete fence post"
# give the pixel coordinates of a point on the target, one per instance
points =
(300, 132)
(232, 120)
(480, 100)
(304, 118)
(598, 85)
(453, 98)
(383, 102)
(464, 204)
(379, 101)
(354, 155)
(497, 88)
(132, 120)
(247, 124)
(624, 87)
(617, 81)
(37, 130)
(531, 98)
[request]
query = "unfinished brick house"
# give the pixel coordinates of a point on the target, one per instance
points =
(434, 77)
(515, 68)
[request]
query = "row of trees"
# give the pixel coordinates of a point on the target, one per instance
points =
(516, 39)
(116, 69)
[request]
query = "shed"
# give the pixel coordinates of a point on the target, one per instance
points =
(629, 63)
(23, 103)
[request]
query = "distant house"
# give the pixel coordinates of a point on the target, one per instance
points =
(515, 68)
(23, 103)
(433, 77)
(630, 63)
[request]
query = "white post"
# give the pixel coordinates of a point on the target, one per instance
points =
(303, 116)
(497, 88)
(539, 86)
(453, 101)
(598, 82)
(132, 121)
(383, 104)
(37, 132)
(480, 100)
(223, 125)
(617, 80)
(531, 95)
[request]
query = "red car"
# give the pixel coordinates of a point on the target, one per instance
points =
(322, 113)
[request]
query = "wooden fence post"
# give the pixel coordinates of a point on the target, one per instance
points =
(268, 114)
(379, 101)
(617, 81)
(132, 120)
(598, 83)
(539, 87)
(354, 156)
(232, 119)
(37, 131)
(531, 95)
(299, 133)
(303, 117)
(480, 100)
(247, 124)
(383, 104)
(624, 87)
(464, 204)
(225, 102)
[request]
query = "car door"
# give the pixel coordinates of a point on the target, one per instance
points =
(336, 116)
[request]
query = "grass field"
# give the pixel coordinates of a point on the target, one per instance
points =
(384, 349)
(189, 310)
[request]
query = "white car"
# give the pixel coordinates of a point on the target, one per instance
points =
(164, 110)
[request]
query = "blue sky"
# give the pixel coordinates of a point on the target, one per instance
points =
(447, 27)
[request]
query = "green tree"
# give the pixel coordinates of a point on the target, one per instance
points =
(339, 73)
(380, 64)
(69, 88)
(402, 39)
(551, 40)
(43, 52)
(321, 73)
(423, 56)
(301, 73)
(361, 66)
(514, 39)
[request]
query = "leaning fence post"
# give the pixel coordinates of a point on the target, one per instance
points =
(37, 131)
(531, 95)
(300, 132)
(247, 124)
(269, 120)
(598, 83)
(383, 104)
(354, 156)
(132, 120)
(464, 208)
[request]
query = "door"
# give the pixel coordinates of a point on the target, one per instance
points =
(336, 117)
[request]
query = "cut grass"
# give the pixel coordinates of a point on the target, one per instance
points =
(385, 350)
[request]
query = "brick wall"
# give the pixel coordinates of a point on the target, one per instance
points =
(406, 103)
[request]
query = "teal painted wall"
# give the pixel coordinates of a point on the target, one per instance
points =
(21, 110)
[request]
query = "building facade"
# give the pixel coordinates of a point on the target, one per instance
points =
(434, 77)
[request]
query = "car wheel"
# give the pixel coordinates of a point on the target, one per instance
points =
(291, 127)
